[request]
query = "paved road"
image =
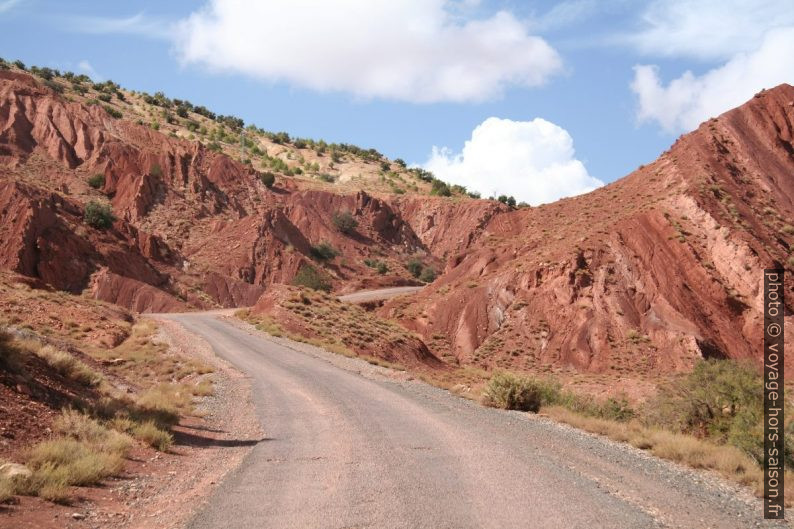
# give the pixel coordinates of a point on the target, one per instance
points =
(366, 296)
(351, 450)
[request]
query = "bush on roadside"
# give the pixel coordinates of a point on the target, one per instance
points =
(428, 275)
(709, 399)
(719, 399)
(511, 392)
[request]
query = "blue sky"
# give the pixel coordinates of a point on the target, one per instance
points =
(613, 82)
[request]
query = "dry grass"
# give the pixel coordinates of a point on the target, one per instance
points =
(152, 435)
(10, 353)
(147, 361)
(204, 388)
(728, 461)
(69, 366)
(83, 452)
(167, 400)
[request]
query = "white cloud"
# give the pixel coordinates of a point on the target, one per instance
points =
(85, 67)
(139, 24)
(690, 99)
(566, 13)
(408, 50)
(7, 5)
(708, 29)
(531, 160)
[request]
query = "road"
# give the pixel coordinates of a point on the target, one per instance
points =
(348, 448)
(367, 296)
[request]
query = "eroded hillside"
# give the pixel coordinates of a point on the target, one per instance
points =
(193, 227)
(641, 277)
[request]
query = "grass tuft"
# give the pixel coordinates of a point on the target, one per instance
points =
(151, 434)
(69, 366)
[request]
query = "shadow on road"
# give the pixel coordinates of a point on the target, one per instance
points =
(190, 439)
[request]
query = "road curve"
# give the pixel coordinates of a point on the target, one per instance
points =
(368, 296)
(346, 450)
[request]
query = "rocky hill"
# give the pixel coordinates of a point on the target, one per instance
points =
(193, 227)
(640, 277)
(643, 276)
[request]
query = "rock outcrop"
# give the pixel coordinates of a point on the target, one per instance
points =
(644, 275)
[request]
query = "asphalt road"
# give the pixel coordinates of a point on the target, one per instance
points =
(348, 448)
(366, 296)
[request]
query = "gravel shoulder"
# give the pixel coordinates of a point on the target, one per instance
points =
(348, 444)
(206, 449)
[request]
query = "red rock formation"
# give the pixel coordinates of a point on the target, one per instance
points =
(644, 275)
(192, 223)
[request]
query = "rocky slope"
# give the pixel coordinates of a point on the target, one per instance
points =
(193, 227)
(643, 276)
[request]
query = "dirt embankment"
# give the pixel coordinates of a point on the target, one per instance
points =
(68, 352)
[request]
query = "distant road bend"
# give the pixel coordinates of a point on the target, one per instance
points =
(352, 450)
(381, 294)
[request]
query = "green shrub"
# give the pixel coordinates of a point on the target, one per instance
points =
(380, 266)
(414, 266)
(428, 275)
(325, 177)
(709, 398)
(439, 188)
(344, 222)
(268, 179)
(308, 276)
(719, 399)
(55, 87)
(511, 392)
(324, 252)
(104, 97)
(97, 181)
(112, 112)
(98, 215)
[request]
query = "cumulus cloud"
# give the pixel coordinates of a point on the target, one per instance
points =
(708, 29)
(410, 50)
(533, 161)
(690, 99)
